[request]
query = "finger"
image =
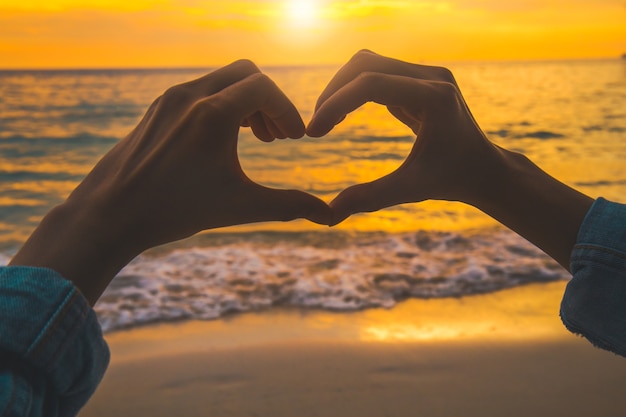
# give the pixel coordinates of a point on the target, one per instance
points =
(414, 96)
(258, 93)
(259, 128)
(272, 128)
(221, 78)
(368, 61)
(400, 114)
(286, 205)
(372, 196)
(177, 99)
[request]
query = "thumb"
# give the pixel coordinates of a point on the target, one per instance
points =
(286, 205)
(372, 196)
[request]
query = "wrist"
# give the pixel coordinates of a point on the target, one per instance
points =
(487, 174)
(540, 208)
(503, 174)
(81, 244)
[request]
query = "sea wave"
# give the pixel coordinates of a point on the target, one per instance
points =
(59, 143)
(538, 134)
(341, 272)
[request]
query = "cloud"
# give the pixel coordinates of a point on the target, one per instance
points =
(362, 8)
(531, 5)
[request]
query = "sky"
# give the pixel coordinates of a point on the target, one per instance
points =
(175, 33)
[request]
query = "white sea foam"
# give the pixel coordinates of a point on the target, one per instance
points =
(349, 272)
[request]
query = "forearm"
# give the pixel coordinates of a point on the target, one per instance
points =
(535, 205)
(79, 245)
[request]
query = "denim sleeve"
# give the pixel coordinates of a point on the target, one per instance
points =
(52, 353)
(594, 304)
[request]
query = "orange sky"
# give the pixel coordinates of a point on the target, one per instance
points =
(132, 33)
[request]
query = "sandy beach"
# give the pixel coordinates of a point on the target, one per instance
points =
(500, 354)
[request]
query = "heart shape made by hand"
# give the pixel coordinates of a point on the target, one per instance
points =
(198, 122)
(448, 158)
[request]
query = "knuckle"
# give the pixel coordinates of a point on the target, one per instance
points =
(444, 74)
(365, 51)
(369, 77)
(212, 107)
(260, 78)
(371, 82)
(362, 57)
(246, 66)
(448, 93)
(449, 89)
(261, 82)
(177, 94)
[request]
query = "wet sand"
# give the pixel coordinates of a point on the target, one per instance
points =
(501, 354)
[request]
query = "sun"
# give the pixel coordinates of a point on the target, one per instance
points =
(302, 10)
(307, 20)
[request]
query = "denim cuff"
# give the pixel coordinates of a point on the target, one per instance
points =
(594, 304)
(49, 325)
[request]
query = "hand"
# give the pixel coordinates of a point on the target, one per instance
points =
(175, 174)
(178, 172)
(451, 159)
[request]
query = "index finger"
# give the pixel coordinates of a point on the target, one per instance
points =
(258, 93)
(368, 61)
(221, 78)
(415, 95)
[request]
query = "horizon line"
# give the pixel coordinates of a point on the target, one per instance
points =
(214, 66)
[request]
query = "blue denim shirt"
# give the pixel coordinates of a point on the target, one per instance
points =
(594, 304)
(53, 355)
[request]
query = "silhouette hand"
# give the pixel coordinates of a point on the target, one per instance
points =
(175, 174)
(451, 156)
(178, 172)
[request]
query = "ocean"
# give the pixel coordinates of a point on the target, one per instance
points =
(569, 117)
